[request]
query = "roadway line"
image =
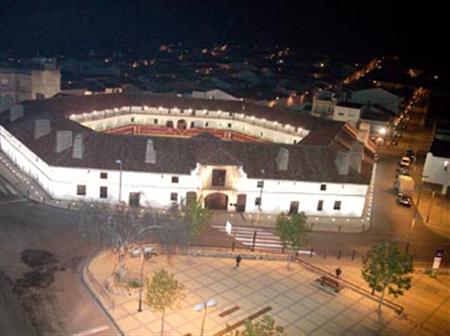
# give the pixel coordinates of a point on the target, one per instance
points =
(92, 331)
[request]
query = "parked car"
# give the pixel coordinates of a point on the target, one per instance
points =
(149, 251)
(403, 171)
(404, 201)
(405, 162)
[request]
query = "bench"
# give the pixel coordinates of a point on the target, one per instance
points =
(330, 282)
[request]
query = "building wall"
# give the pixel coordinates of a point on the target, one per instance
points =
(156, 189)
(323, 108)
(347, 114)
(19, 85)
(434, 169)
(257, 127)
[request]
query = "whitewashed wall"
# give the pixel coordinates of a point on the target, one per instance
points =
(156, 189)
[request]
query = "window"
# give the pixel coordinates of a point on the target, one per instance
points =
(258, 201)
(174, 197)
(81, 190)
(174, 179)
(218, 178)
(103, 192)
(155, 121)
(229, 125)
(341, 113)
(132, 120)
(206, 124)
(337, 205)
(320, 205)
(323, 187)
(260, 184)
(103, 175)
(293, 209)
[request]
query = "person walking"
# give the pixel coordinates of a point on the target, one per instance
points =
(238, 260)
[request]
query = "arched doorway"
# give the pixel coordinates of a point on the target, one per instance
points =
(182, 124)
(216, 201)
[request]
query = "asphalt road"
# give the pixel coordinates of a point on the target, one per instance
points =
(65, 306)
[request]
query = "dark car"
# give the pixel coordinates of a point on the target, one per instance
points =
(404, 201)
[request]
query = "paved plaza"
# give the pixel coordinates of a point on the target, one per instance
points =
(294, 297)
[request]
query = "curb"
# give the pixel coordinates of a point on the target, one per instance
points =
(93, 295)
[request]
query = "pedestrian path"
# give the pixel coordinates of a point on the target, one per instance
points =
(245, 235)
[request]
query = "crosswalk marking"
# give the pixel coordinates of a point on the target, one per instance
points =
(244, 235)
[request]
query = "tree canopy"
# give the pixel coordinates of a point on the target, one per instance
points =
(292, 230)
(266, 327)
(385, 267)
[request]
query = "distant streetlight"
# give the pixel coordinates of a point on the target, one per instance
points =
(382, 131)
(120, 163)
(203, 307)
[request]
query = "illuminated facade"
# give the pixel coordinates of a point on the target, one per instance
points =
(234, 156)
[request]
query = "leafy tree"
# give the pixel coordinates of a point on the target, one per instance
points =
(163, 292)
(385, 267)
(114, 227)
(266, 327)
(292, 231)
(196, 217)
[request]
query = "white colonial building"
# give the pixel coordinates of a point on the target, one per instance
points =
(156, 150)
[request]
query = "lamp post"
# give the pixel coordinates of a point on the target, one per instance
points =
(261, 188)
(120, 163)
(203, 307)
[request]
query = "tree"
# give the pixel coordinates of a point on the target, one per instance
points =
(292, 231)
(385, 267)
(196, 217)
(163, 292)
(266, 327)
(173, 232)
(114, 227)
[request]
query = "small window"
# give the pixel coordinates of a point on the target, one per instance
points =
(320, 205)
(81, 190)
(206, 124)
(258, 201)
(218, 178)
(132, 120)
(103, 192)
(155, 121)
(174, 197)
(103, 175)
(260, 184)
(174, 179)
(229, 125)
(337, 205)
(323, 187)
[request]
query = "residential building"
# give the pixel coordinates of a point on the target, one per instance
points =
(437, 162)
(29, 81)
(348, 112)
(378, 96)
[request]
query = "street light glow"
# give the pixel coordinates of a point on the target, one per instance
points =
(382, 131)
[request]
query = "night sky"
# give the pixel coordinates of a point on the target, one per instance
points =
(360, 27)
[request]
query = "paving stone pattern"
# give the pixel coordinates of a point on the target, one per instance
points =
(299, 303)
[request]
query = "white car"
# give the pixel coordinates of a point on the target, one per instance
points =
(405, 162)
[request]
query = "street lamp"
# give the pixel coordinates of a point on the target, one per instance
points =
(120, 163)
(203, 307)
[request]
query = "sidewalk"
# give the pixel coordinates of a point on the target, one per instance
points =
(292, 296)
(434, 211)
